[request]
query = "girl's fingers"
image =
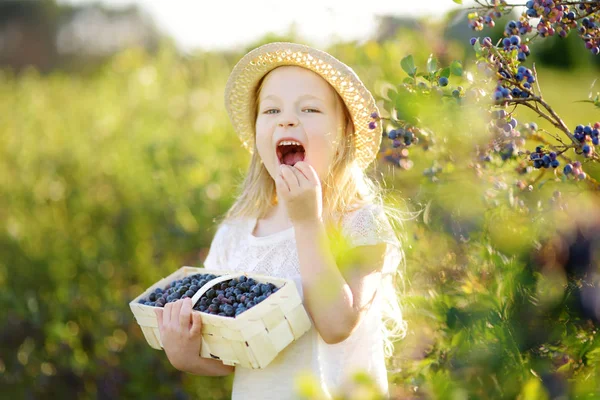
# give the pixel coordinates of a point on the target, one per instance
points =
(185, 314)
(302, 180)
(159, 317)
(281, 184)
(167, 314)
(196, 325)
(174, 322)
(308, 172)
(290, 176)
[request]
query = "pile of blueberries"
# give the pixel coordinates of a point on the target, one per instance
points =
(233, 297)
(228, 299)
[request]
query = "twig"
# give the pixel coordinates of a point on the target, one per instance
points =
(537, 81)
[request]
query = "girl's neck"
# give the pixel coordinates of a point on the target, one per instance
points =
(277, 213)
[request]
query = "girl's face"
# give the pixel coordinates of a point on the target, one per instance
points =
(297, 104)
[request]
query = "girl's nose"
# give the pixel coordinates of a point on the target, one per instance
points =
(288, 120)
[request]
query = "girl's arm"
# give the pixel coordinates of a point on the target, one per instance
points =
(207, 367)
(181, 336)
(336, 300)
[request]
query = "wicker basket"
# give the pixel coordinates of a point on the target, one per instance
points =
(253, 338)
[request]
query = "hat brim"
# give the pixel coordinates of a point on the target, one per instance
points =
(240, 92)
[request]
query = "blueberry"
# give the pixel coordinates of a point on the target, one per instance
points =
(239, 311)
(443, 81)
(531, 13)
(189, 293)
(568, 169)
(242, 278)
(256, 289)
(393, 134)
(587, 130)
(587, 149)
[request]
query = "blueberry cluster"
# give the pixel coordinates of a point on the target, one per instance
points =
(373, 124)
(590, 32)
(500, 120)
(574, 169)
(588, 133)
(555, 17)
(513, 42)
(229, 298)
(520, 27)
(477, 22)
(559, 17)
(400, 136)
(523, 76)
(178, 289)
(233, 297)
(398, 158)
(543, 160)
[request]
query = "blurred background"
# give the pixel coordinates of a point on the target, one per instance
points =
(117, 155)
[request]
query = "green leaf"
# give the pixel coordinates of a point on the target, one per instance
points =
(477, 47)
(431, 64)
(458, 1)
(445, 72)
(456, 68)
(408, 79)
(408, 65)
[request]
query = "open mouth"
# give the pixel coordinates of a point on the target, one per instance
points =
(289, 152)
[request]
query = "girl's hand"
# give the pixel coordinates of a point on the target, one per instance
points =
(300, 188)
(180, 333)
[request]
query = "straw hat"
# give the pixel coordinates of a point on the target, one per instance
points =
(240, 92)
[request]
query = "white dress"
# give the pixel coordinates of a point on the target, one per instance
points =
(235, 248)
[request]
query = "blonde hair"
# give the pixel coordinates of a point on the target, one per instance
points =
(345, 188)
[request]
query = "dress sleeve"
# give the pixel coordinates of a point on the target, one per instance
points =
(217, 254)
(370, 225)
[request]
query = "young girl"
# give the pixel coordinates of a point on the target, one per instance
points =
(306, 212)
